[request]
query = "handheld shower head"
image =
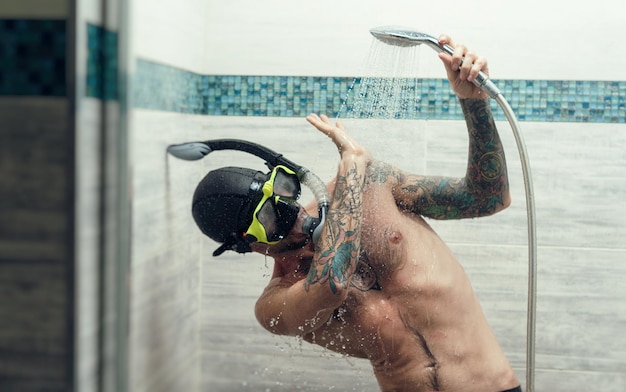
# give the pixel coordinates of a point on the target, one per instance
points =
(405, 37)
(402, 36)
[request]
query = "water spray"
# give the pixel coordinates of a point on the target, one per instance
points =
(406, 37)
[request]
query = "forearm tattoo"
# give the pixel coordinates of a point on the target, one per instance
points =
(481, 192)
(486, 176)
(337, 262)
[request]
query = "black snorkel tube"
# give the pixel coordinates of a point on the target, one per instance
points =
(193, 151)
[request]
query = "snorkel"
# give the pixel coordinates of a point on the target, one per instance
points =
(193, 151)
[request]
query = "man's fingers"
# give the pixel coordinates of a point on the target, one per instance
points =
(340, 126)
(323, 125)
(337, 133)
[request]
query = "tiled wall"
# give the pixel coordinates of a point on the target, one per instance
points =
(102, 51)
(164, 279)
(163, 87)
(37, 264)
(573, 161)
(57, 222)
(34, 57)
(581, 305)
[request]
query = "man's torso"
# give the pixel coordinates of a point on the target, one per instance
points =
(411, 310)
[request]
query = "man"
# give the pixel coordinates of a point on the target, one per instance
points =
(379, 283)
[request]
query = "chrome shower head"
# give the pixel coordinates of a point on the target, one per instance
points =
(402, 36)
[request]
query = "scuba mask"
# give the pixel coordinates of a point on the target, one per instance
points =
(277, 211)
(237, 206)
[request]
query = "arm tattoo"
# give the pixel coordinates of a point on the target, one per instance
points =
(486, 173)
(379, 172)
(481, 192)
(333, 266)
(337, 262)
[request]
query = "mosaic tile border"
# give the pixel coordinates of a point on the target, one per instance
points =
(161, 87)
(32, 57)
(102, 56)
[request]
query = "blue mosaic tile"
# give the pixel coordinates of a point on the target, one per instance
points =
(102, 54)
(32, 54)
(162, 87)
(269, 96)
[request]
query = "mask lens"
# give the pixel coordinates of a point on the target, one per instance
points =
(277, 219)
(286, 184)
(287, 213)
(267, 218)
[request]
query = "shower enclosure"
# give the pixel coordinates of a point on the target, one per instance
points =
(109, 286)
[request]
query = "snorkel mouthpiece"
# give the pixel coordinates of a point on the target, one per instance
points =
(313, 226)
(310, 224)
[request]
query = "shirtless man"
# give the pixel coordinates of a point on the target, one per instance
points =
(380, 284)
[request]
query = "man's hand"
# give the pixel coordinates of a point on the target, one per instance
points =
(345, 143)
(462, 68)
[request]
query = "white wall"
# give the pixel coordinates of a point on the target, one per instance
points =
(550, 39)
